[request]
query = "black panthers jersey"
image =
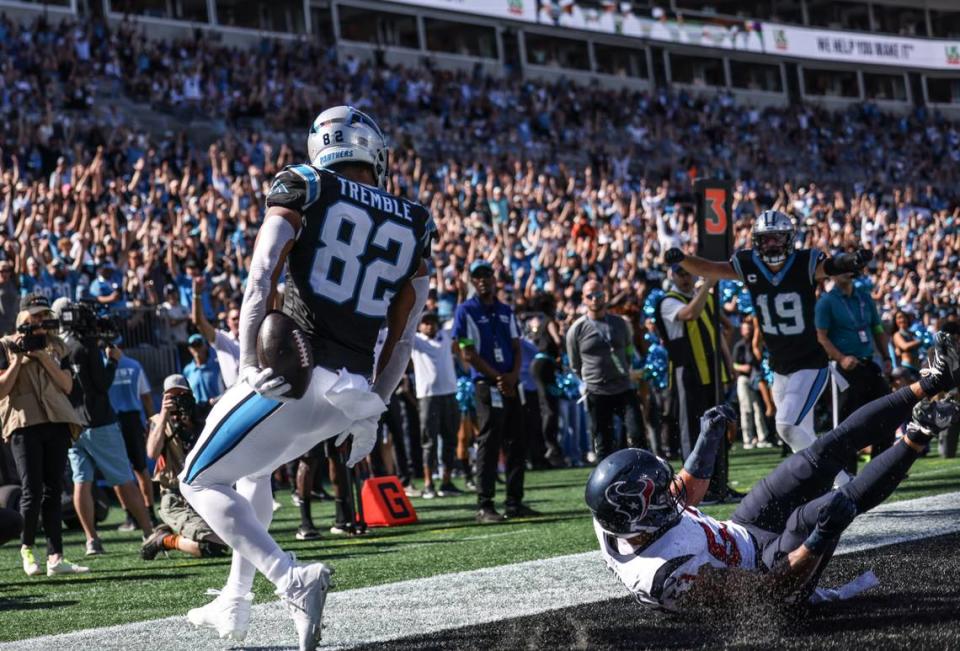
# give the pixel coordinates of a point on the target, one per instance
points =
(785, 303)
(356, 247)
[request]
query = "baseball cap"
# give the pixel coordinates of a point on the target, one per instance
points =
(477, 265)
(195, 340)
(175, 381)
(35, 303)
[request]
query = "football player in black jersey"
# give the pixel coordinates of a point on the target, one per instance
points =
(353, 254)
(782, 282)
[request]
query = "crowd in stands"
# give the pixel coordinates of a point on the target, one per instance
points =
(552, 183)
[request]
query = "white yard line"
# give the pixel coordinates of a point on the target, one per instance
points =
(448, 601)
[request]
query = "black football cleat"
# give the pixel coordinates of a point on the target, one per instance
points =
(943, 362)
(930, 418)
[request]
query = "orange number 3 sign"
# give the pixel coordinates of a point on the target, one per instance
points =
(715, 220)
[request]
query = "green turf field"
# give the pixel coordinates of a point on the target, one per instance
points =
(121, 588)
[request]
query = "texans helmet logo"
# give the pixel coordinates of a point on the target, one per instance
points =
(631, 501)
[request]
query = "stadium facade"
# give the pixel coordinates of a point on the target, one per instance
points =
(898, 54)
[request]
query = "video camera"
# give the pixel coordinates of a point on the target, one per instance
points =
(86, 321)
(32, 341)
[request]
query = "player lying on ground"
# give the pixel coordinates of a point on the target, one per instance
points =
(354, 256)
(784, 532)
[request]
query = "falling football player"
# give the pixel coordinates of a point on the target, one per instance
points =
(670, 555)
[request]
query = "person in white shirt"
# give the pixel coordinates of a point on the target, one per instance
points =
(226, 343)
(436, 381)
(173, 317)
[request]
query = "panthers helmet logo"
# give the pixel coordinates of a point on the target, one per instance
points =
(631, 501)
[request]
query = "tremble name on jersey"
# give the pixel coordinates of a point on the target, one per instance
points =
(356, 248)
(660, 573)
(785, 302)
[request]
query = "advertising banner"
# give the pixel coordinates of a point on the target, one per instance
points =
(857, 47)
(525, 10)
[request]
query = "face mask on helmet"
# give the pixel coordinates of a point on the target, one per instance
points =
(630, 493)
(773, 237)
(772, 247)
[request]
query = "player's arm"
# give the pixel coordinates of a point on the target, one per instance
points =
(843, 263)
(274, 241)
(692, 310)
(198, 317)
(698, 266)
(698, 468)
(403, 315)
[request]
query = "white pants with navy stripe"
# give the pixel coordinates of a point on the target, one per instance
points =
(795, 396)
(245, 438)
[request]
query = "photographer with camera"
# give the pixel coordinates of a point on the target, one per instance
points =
(38, 422)
(172, 434)
(101, 444)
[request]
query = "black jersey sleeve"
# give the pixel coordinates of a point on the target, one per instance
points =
(429, 234)
(295, 187)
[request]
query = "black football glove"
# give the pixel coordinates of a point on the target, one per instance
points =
(674, 256)
(717, 418)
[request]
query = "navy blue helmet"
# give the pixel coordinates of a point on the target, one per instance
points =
(629, 493)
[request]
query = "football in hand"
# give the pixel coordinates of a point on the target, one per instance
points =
(283, 346)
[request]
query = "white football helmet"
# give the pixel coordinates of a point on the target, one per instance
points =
(343, 134)
(774, 236)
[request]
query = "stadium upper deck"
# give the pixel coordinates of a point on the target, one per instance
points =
(896, 53)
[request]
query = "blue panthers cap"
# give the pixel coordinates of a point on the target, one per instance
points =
(477, 265)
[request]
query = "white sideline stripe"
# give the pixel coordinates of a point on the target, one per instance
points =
(447, 601)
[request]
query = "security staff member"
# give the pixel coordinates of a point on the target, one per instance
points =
(685, 321)
(489, 339)
(848, 326)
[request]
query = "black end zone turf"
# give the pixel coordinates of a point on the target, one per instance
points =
(916, 606)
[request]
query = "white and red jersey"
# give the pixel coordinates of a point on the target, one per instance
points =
(666, 568)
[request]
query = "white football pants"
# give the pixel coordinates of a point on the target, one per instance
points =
(245, 438)
(795, 396)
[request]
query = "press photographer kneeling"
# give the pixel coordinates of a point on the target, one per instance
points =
(172, 434)
(38, 421)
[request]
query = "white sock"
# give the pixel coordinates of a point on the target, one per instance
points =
(258, 492)
(234, 519)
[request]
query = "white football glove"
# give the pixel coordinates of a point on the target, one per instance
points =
(364, 433)
(265, 382)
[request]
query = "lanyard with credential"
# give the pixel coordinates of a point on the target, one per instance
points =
(863, 316)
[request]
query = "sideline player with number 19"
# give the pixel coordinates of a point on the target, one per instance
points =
(354, 256)
(782, 283)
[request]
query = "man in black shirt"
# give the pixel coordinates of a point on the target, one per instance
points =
(747, 367)
(101, 444)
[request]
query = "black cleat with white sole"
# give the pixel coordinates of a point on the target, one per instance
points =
(943, 363)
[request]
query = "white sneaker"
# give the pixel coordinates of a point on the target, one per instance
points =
(65, 567)
(305, 599)
(229, 615)
(30, 565)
